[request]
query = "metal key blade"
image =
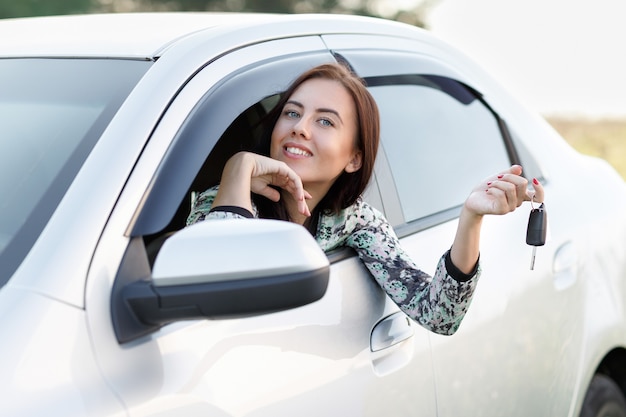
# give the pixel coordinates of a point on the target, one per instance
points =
(532, 258)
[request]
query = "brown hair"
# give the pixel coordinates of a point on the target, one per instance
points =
(349, 186)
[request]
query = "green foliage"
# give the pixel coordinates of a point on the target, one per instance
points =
(604, 138)
(20, 8)
(23, 8)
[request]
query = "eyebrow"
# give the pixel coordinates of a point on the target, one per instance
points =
(320, 110)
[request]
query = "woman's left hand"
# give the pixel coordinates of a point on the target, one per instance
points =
(499, 194)
(503, 193)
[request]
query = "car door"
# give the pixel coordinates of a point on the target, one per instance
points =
(517, 349)
(350, 353)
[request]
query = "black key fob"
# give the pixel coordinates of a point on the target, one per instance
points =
(537, 226)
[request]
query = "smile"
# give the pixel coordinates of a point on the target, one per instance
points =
(297, 151)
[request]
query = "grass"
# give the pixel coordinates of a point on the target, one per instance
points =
(605, 138)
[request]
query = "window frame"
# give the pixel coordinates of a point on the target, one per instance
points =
(202, 128)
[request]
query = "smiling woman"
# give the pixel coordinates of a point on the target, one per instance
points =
(335, 149)
(322, 138)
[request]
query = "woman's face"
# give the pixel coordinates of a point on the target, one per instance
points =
(316, 134)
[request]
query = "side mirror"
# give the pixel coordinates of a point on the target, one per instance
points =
(224, 268)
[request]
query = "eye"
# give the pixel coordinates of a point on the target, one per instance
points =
(291, 114)
(326, 122)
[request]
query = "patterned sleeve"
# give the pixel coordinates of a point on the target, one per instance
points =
(201, 209)
(438, 303)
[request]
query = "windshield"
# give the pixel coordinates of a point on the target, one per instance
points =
(52, 112)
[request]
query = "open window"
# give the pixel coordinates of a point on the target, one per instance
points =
(435, 129)
(440, 139)
(222, 123)
(243, 134)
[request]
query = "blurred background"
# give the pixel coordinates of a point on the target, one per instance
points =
(562, 58)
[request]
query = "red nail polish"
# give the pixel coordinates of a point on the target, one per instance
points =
(500, 176)
(489, 183)
(535, 181)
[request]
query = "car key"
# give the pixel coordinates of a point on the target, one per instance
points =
(536, 232)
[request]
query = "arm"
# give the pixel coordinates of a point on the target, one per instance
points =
(235, 183)
(500, 194)
(438, 303)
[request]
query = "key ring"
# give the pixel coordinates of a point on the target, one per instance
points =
(532, 206)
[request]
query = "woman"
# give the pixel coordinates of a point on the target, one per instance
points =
(319, 154)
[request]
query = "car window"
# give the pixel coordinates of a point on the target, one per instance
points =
(52, 112)
(439, 138)
(224, 121)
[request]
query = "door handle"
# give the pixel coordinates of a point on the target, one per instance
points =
(390, 331)
(565, 266)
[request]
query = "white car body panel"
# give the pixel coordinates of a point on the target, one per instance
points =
(47, 354)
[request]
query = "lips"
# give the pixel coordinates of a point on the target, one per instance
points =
(297, 151)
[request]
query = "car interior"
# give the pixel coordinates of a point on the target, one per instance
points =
(244, 133)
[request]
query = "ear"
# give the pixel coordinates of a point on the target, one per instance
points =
(355, 163)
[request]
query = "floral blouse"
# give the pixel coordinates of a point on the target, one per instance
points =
(438, 303)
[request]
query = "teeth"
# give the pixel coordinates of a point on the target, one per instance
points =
(297, 151)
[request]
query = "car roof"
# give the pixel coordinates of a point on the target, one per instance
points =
(148, 35)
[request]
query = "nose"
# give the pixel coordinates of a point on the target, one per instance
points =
(301, 128)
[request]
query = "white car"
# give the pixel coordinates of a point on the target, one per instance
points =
(110, 124)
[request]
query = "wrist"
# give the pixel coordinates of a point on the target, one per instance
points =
(470, 216)
(234, 187)
(466, 246)
(240, 164)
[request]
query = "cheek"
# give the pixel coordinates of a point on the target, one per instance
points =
(274, 144)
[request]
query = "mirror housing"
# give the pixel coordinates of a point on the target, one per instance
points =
(223, 268)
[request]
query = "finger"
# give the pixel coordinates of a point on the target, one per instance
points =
(516, 169)
(304, 208)
(512, 172)
(269, 193)
(513, 169)
(520, 183)
(512, 200)
(294, 186)
(506, 192)
(538, 192)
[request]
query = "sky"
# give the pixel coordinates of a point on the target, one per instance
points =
(560, 57)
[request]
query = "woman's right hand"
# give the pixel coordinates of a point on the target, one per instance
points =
(247, 171)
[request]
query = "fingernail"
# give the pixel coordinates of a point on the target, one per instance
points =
(500, 176)
(489, 183)
(535, 181)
